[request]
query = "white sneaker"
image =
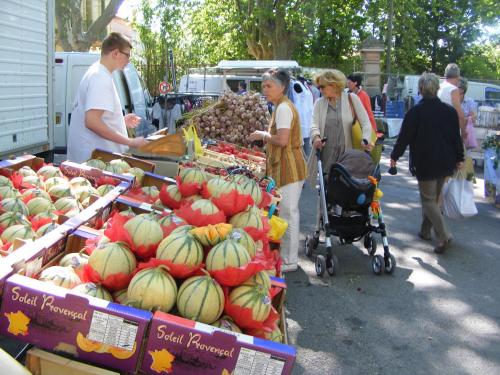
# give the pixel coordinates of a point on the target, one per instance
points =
(289, 268)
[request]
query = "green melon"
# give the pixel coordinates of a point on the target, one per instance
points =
(151, 191)
(9, 218)
(93, 290)
(83, 193)
(192, 175)
(112, 258)
(129, 212)
(218, 186)
(7, 191)
(201, 299)
(60, 276)
(227, 253)
(49, 171)
(36, 193)
(14, 205)
(184, 229)
(5, 181)
(243, 238)
(38, 205)
(138, 173)
(104, 189)
(60, 191)
(252, 188)
(144, 230)
(79, 181)
(44, 229)
(67, 204)
(44, 215)
(26, 171)
(180, 249)
(205, 206)
(249, 218)
(174, 193)
(34, 181)
(239, 178)
(95, 163)
(171, 219)
(252, 298)
(75, 260)
(120, 296)
(121, 165)
(152, 288)
(22, 232)
(56, 181)
(225, 322)
(260, 280)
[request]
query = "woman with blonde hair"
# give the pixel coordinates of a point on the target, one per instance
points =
(333, 117)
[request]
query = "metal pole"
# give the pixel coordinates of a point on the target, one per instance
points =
(389, 39)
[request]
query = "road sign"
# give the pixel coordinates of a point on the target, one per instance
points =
(164, 87)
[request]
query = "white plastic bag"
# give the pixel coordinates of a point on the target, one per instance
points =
(458, 198)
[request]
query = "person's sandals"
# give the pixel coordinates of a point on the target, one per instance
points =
(440, 249)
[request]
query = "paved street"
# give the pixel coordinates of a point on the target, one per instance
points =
(434, 315)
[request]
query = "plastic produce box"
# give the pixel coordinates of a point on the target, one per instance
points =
(57, 319)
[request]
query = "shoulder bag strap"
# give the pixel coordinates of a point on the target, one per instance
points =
(353, 111)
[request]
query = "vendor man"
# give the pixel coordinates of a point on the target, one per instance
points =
(97, 120)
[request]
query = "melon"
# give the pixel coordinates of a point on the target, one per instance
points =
(120, 296)
(205, 206)
(225, 322)
(184, 229)
(171, 219)
(138, 173)
(22, 232)
(10, 218)
(260, 280)
(249, 218)
(144, 230)
(35, 193)
(34, 181)
(239, 178)
(104, 189)
(193, 198)
(7, 191)
(75, 260)
(44, 229)
(67, 204)
(38, 205)
(5, 181)
(151, 191)
(201, 299)
(49, 171)
(243, 238)
(192, 176)
(44, 215)
(227, 253)
(60, 191)
(14, 205)
(55, 181)
(83, 193)
(181, 249)
(252, 188)
(218, 186)
(152, 288)
(112, 258)
(79, 181)
(129, 212)
(119, 164)
(95, 163)
(174, 193)
(60, 276)
(253, 298)
(93, 290)
(26, 171)
(113, 169)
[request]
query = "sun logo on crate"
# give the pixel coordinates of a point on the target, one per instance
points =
(18, 323)
(162, 361)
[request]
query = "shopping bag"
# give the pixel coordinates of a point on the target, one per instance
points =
(458, 198)
(470, 141)
(357, 137)
(191, 134)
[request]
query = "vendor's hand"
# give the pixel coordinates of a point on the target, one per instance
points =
(132, 121)
(393, 163)
(367, 147)
(460, 165)
(137, 142)
(259, 135)
(318, 143)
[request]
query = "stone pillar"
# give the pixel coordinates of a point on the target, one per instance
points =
(371, 53)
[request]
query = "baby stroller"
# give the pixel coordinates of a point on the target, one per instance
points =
(345, 212)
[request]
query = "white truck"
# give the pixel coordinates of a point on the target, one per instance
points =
(26, 76)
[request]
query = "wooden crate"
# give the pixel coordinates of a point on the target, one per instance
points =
(106, 156)
(41, 362)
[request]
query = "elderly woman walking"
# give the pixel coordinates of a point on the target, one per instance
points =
(432, 131)
(285, 159)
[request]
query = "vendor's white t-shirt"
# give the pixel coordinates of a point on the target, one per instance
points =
(284, 116)
(96, 91)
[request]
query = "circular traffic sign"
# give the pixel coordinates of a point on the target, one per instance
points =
(164, 87)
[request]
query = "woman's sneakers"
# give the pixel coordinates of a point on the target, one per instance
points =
(289, 268)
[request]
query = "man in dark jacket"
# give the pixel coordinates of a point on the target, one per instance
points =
(432, 131)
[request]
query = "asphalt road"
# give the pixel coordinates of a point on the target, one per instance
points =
(437, 314)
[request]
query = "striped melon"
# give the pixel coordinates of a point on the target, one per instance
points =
(159, 205)
(49, 171)
(104, 189)
(184, 229)
(243, 238)
(249, 218)
(171, 219)
(239, 178)
(112, 258)
(44, 229)
(67, 204)
(55, 181)
(144, 230)
(180, 249)
(152, 288)
(5, 181)
(138, 173)
(252, 298)
(38, 205)
(34, 181)
(225, 322)
(113, 169)
(26, 171)
(45, 215)
(22, 232)
(96, 163)
(75, 260)
(7, 191)
(227, 253)
(93, 290)
(10, 218)
(174, 193)
(218, 186)
(205, 206)
(36, 192)
(14, 205)
(192, 175)
(60, 276)
(60, 191)
(79, 181)
(260, 280)
(201, 299)
(129, 212)
(82, 193)
(120, 164)
(151, 191)
(252, 188)
(120, 296)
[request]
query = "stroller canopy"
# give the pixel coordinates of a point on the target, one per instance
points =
(357, 163)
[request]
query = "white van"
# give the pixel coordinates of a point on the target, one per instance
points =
(69, 69)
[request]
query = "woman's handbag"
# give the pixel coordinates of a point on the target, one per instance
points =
(357, 136)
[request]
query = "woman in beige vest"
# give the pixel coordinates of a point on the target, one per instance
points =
(285, 159)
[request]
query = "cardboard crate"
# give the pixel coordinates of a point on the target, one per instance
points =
(57, 319)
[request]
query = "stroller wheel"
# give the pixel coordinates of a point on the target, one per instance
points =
(377, 264)
(373, 247)
(320, 265)
(390, 264)
(308, 246)
(332, 265)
